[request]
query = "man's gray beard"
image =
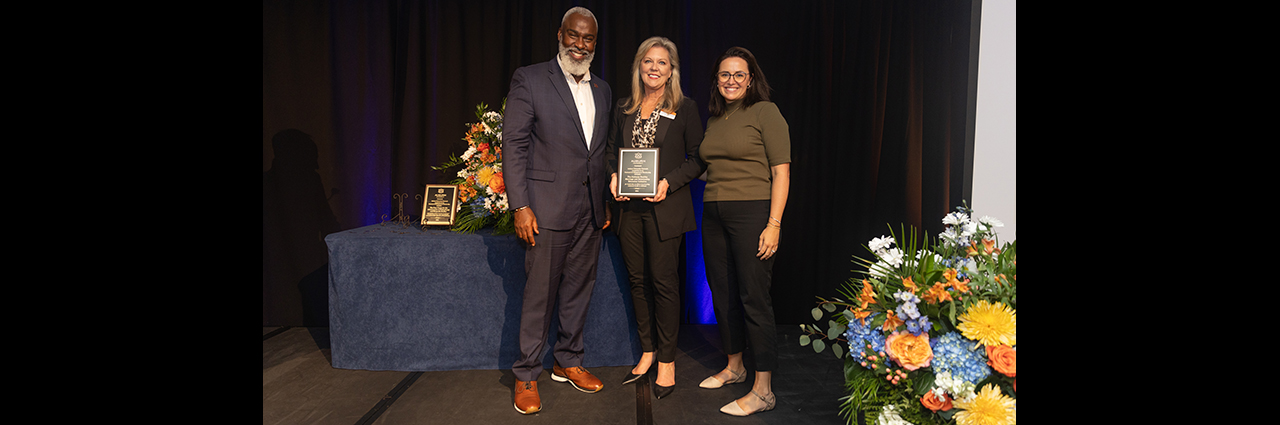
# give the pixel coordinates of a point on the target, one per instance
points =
(574, 67)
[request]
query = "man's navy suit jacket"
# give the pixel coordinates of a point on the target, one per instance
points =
(546, 164)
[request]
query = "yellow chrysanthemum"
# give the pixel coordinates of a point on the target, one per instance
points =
(990, 324)
(987, 407)
(484, 175)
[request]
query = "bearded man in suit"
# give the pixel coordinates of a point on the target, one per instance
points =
(554, 135)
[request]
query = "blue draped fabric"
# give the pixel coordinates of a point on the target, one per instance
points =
(405, 299)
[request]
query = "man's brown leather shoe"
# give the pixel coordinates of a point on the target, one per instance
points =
(527, 400)
(577, 376)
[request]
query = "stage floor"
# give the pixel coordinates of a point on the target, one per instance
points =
(300, 387)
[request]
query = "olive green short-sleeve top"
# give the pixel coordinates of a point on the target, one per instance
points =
(739, 148)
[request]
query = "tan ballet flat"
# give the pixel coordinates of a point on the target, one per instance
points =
(733, 409)
(712, 383)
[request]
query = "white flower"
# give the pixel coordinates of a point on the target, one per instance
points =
(922, 253)
(990, 221)
(880, 269)
(950, 237)
(959, 390)
(965, 395)
(969, 229)
(955, 218)
(889, 416)
(892, 257)
(880, 243)
(889, 260)
(469, 153)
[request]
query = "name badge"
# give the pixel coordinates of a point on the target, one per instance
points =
(667, 115)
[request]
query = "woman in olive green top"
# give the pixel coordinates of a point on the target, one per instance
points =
(747, 148)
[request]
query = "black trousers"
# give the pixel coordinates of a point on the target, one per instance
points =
(739, 280)
(653, 270)
(561, 268)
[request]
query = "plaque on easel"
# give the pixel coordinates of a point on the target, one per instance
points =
(439, 205)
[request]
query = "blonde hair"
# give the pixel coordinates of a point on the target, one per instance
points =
(672, 95)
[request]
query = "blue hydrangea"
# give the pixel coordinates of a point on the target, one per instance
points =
(965, 359)
(478, 209)
(859, 335)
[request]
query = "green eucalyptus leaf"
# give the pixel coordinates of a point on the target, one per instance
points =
(835, 332)
(818, 346)
(829, 307)
(804, 340)
(817, 313)
(839, 352)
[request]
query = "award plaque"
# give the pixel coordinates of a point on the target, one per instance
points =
(439, 205)
(638, 172)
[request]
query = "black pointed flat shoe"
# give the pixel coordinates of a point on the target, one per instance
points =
(661, 391)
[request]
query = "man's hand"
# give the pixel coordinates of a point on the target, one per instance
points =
(608, 216)
(526, 225)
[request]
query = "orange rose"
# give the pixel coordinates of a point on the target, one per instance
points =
(1003, 359)
(910, 351)
(497, 184)
(930, 400)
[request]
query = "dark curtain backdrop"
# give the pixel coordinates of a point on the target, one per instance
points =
(361, 98)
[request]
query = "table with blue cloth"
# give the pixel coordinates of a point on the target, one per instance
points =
(406, 299)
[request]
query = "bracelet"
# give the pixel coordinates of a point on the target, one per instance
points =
(518, 209)
(776, 221)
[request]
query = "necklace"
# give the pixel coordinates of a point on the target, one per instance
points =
(726, 116)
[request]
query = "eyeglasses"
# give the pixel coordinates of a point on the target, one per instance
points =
(738, 77)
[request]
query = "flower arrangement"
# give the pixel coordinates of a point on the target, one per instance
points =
(482, 192)
(931, 330)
